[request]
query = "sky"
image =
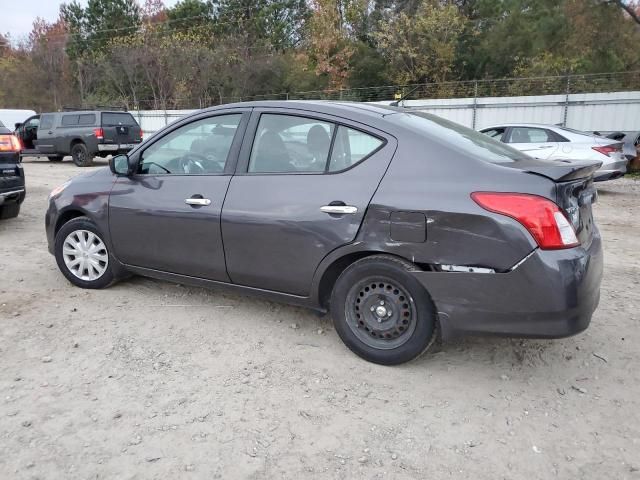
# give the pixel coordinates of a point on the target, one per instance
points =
(17, 16)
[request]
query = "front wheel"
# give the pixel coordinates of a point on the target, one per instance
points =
(381, 312)
(82, 255)
(81, 156)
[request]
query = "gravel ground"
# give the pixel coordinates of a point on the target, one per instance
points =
(156, 380)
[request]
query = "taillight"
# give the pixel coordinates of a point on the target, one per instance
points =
(99, 133)
(544, 220)
(9, 143)
(607, 150)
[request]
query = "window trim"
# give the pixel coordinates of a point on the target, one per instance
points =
(232, 155)
(252, 130)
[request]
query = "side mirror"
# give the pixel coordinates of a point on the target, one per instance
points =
(17, 125)
(122, 165)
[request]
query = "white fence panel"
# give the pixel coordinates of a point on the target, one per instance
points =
(583, 111)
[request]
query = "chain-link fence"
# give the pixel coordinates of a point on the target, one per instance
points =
(467, 94)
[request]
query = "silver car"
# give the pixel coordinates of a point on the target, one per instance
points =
(551, 142)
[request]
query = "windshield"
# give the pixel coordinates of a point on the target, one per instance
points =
(115, 119)
(464, 139)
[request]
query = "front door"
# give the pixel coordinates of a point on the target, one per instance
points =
(536, 142)
(166, 217)
(302, 189)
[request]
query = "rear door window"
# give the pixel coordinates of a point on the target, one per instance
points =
(290, 144)
(350, 147)
(70, 120)
(110, 119)
(530, 135)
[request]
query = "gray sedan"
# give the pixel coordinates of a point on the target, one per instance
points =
(401, 224)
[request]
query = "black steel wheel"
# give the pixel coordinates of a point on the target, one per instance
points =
(381, 312)
(81, 156)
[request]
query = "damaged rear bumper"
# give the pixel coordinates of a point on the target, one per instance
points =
(551, 294)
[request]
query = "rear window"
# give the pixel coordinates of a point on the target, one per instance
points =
(115, 119)
(87, 119)
(464, 139)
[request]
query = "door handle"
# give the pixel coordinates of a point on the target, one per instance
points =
(339, 209)
(201, 202)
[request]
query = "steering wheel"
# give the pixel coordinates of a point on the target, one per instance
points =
(192, 163)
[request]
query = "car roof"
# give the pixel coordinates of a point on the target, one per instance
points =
(533, 125)
(317, 105)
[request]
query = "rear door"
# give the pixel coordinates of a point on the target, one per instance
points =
(534, 141)
(303, 184)
(120, 128)
(46, 138)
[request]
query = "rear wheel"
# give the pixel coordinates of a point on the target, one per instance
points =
(381, 312)
(81, 156)
(56, 158)
(9, 211)
(82, 255)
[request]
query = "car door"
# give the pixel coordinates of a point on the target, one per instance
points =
(46, 139)
(166, 216)
(28, 131)
(301, 190)
(534, 141)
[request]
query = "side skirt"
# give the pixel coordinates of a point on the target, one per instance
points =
(240, 289)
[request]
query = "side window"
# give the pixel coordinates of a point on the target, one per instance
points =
(198, 148)
(34, 122)
(495, 133)
(46, 122)
(69, 120)
(529, 135)
(350, 147)
(290, 144)
(87, 119)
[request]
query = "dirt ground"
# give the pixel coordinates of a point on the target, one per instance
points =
(155, 380)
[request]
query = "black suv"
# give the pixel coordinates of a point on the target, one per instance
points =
(12, 191)
(82, 134)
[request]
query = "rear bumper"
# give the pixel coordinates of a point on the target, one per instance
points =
(15, 195)
(611, 171)
(552, 294)
(106, 147)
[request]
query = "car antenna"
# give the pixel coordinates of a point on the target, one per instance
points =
(404, 97)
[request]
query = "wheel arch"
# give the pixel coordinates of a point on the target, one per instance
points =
(331, 268)
(66, 216)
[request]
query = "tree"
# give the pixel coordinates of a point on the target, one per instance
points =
(422, 48)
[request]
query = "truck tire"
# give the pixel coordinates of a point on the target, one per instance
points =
(56, 158)
(81, 156)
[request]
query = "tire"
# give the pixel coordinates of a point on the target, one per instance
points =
(81, 156)
(96, 274)
(381, 312)
(10, 210)
(57, 158)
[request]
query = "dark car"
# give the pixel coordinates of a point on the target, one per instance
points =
(12, 187)
(82, 134)
(398, 223)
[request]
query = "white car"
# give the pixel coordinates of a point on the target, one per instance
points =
(551, 142)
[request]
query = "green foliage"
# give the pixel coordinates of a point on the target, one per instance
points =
(202, 52)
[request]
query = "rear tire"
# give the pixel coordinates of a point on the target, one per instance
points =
(82, 255)
(57, 158)
(9, 211)
(81, 156)
(381, 312)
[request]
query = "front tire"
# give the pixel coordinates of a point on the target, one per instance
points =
(381, 312)
(82, 255)
(81, 156)
(10, 210)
